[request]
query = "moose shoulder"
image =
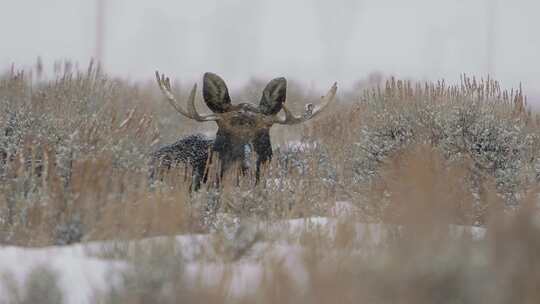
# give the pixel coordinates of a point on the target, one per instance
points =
(239, 126)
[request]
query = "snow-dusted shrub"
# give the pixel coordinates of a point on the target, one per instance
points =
(50, 125)
(70, 231)
(76, 114)
(475, 120)
(308, 158)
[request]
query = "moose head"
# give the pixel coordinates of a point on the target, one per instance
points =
(243, 123)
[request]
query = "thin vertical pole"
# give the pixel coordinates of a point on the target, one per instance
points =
(100, 31)
(491, 36)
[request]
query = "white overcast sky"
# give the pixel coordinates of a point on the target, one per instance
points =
(315, 41)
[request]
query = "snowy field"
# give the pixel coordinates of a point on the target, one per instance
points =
(83, 269)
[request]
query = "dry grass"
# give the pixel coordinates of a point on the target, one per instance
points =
(76, 151)
(76, 170)
(419, 261)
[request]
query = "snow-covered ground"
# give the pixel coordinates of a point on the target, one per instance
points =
(82, 271)
(79, 273)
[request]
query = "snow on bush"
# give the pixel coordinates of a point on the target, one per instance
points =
(476, 121)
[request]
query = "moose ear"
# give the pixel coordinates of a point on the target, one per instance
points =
(215, 93)
(273, 96)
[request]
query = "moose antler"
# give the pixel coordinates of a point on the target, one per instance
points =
(164, 84)
(310, 112)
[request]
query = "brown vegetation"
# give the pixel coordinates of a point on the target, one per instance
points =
(416, 157)
(76, 151)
